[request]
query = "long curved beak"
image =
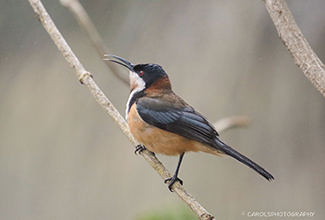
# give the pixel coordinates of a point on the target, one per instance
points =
(123, 62)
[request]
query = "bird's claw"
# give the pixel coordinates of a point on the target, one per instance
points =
(139, 148)
(171, 181)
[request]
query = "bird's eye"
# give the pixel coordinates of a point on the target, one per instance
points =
(141, 73)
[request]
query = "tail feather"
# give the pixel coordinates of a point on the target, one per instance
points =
(243, 159)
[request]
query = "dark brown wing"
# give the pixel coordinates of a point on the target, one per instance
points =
(180, 119)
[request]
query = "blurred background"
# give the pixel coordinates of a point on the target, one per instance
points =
(62, 157)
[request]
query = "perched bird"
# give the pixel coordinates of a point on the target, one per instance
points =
(165, 124)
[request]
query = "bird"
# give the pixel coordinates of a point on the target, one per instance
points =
(163, 123)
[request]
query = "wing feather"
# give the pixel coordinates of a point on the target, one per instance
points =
(182, 120)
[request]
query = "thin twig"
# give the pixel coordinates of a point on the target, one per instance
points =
(84, 20)
(231, 122)
(85, 78)
(289, 32)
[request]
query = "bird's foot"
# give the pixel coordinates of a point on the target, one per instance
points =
(139, 148)
(171, 181)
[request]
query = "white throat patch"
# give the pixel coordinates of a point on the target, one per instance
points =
(137, 84)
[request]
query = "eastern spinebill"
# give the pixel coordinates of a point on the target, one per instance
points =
(165, 124)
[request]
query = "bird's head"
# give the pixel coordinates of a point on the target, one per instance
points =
(144, 76)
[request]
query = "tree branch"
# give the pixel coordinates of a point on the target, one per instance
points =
(231, 122)
(85, 78)
(289, 32)
(81, 15)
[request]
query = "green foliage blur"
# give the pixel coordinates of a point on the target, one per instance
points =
(177, 212)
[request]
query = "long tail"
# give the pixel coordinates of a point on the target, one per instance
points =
(241, 158)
